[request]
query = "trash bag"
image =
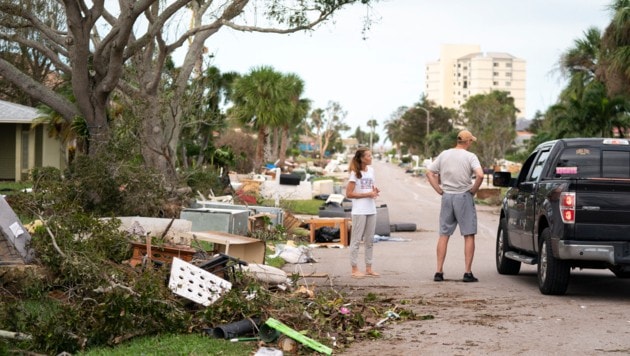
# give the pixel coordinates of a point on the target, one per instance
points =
(327, 234)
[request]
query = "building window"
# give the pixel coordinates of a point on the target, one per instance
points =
(465, 84)
(507, 84)
(496, 74)
(495, 83)
(509, 64)
(508, 74)
(495, 64)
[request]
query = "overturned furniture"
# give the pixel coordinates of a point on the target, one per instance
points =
(243, 248)
(180, 237)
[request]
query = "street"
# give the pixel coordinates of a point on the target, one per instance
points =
(498, 315)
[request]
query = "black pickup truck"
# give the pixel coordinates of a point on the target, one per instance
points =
(568, 208)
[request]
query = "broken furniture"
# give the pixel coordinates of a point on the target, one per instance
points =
(212, 219)
(14, 237)
(277, 218)
(260, 222)
(162, 254)
(244, 248)
(222, 265)
(344, 225)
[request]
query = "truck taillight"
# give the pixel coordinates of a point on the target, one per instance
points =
(567, 207)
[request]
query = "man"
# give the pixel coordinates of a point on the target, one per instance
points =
(451, 176)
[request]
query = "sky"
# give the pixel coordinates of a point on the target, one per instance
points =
(372, 75)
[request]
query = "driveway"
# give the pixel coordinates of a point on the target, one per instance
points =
(499, 315)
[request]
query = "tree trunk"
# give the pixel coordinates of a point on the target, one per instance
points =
(260, 149)
(283, 147)
(157, 150)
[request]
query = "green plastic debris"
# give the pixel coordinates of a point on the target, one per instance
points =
(298, 337)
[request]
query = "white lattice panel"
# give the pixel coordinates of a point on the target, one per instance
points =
(192, 282)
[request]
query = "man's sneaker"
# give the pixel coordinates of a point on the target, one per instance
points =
(438, 277)
(468, 277)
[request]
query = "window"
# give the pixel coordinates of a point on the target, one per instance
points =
(588, 162)
(495, 83)
(509, 64)
(507, 84)
(508, 74)
(496, 74)
(615, 164)
(465, 84)
(538, 166)
(495, 64)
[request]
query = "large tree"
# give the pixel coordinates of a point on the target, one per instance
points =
(326, 124)
(614, 68)
(299, 108)
(492, 118)
(261, 100)
(126, 46)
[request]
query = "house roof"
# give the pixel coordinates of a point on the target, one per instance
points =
(11, 113)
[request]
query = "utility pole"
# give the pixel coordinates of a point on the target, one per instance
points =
(426, 138)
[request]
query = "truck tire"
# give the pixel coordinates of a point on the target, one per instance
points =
(505, 265)
(553, 274)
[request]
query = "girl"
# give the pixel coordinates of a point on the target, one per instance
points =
(362, 191)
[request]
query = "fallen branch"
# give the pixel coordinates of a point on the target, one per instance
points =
(52, 236)
(14, 335)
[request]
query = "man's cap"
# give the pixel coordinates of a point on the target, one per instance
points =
(465, 135)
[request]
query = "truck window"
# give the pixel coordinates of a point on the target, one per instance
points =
(615, 164)
(539, 164)
(590, 162)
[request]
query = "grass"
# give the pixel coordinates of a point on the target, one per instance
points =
(176, 344)
(305, 207)
(8, 188)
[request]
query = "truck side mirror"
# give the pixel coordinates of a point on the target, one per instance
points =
(501, 179)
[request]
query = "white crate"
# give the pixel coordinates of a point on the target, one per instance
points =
(192, 282)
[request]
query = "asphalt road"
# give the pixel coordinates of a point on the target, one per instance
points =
(498, 315)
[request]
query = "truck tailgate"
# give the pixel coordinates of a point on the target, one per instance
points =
(602, 210)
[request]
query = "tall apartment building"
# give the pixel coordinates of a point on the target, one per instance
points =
(463, 71)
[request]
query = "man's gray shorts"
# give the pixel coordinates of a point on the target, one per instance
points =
(458, 209)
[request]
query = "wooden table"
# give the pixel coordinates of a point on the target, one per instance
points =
(344, 225)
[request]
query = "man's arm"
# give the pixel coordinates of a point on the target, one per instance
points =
(478, 180)
(433, 180)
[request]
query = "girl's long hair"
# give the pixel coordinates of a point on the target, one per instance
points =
(356, 165)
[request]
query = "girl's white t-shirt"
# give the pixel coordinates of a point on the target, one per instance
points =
(365, 184)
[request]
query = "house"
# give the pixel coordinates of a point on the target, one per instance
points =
(23, 145)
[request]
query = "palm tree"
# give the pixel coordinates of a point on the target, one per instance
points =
(372, 125)
(260, 101)
(203, 112)
(615, 47)
(299, 109)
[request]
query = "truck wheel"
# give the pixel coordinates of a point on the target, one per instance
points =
(505, 265)
(553, 274)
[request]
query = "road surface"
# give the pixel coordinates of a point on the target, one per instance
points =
(499, 315)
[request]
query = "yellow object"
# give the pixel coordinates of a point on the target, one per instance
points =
(32, 226)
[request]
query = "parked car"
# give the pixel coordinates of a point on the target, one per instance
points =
(568, 208)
